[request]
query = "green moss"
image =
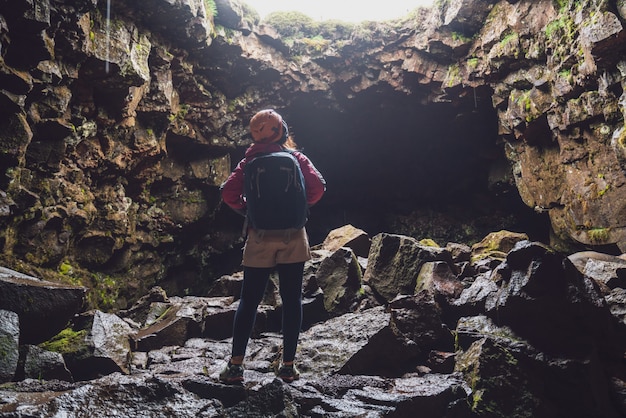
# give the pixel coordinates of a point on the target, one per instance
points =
(457, 36)
(211, 7)
(509, 38)
(66, 341)
(103, 292)
(603, 191)
(598, 235)
(65, 268)
(562, 4)
(429, 242)
(472, 63)
(453, 76)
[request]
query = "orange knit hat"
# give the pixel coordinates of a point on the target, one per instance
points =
(267, 126)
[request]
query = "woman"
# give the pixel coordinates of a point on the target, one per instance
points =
(264, 251)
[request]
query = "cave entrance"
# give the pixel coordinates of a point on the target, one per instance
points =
(397, 164)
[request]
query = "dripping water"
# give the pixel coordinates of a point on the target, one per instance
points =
(108, 36)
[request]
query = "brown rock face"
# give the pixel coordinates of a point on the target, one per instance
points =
(117, 132)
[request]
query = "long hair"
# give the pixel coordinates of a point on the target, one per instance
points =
(289, 143)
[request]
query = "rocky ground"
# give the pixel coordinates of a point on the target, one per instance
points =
(505, 328)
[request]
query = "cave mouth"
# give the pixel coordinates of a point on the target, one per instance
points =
(397, 164)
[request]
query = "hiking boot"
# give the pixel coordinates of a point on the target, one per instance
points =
(288, 373)
(232, 373)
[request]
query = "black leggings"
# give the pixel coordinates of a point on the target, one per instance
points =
(254, 283)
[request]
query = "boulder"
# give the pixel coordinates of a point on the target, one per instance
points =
(496, 245)
(98, 344)
(545, 300)
(356, 343)
(9, 344)
(509, 377)
(394, 264)
(174, 322)
(41, 364)
(419, 318)
(44, 307)
(348, 236)
(339, 276)
(437, 277)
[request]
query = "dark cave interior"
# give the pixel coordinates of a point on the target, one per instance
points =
(396, 164)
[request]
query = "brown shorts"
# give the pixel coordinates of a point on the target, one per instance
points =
(268, 248)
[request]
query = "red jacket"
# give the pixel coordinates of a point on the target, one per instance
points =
(232, 189)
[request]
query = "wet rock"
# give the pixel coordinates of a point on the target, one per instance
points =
(612, 275)
(498, 384)
(390, 360)
(44, 307)
(141, 396)
(496, 245)
(235, 14)
(419, 318)
(171, 323)
(472, 299)
(97, 345)
(437, 277)
(394, 263)
(508, 374)
(616, 301)
(465, 16)
(460, 252)
(348, 236)
(555, 301)
(607, 270)
(362, 343)
(9, 344)
(339, 276)
(41, 364)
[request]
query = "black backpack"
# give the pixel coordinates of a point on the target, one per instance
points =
(275, 192)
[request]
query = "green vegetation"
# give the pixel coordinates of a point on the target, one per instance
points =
(508, 38)
(296, 27)
(621, 140)
(562, 4)
(453, 76)
(104, 292)
(306, 36)
(292, 24)
(472, 63)
(429, 242)
(316, 44)
(250, 15)
(183, 109)
(211, 7)
(598, 235)
(65, 268)
(457, 36)
(603, 191)
(66, 341)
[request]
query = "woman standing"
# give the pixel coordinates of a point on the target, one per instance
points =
(266, 250)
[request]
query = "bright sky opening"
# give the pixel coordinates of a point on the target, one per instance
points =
(345, 10)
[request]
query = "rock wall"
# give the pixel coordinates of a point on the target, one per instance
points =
(120, 121)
